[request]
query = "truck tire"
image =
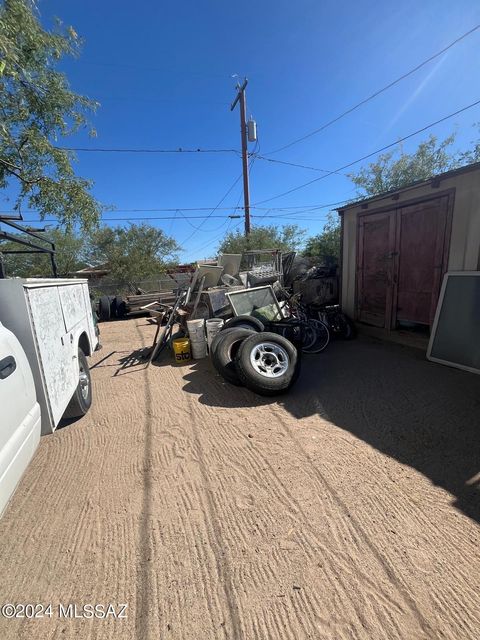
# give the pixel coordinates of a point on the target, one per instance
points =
(104, 312)
(120, 307)
(267, 363)
(81, 400)
(224, 352)
(246, 322)
(220, 335)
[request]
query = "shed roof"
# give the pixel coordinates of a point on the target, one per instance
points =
(413, 185)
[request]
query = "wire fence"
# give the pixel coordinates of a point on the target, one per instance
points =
(104, 287)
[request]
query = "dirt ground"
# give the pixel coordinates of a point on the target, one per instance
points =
(347, 509)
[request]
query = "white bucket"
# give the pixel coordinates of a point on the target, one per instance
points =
(213, 326)
(198, 349)
(196, 329)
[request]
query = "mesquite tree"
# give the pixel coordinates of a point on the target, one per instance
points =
(37, 110)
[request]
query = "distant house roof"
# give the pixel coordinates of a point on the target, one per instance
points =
(91, 272)
(413, 185)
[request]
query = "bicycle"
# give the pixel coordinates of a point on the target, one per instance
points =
(314, 333)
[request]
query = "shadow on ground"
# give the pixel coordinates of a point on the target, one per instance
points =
(424, 415)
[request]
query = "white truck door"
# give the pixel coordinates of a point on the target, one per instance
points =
(60, 367)
(73, 304)
(20, 417)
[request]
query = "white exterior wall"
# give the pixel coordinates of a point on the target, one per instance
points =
(464, 252)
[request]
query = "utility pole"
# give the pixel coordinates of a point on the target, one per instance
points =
(243, 130)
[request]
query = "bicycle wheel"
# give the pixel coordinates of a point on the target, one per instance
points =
(322, 336)
(309, 337)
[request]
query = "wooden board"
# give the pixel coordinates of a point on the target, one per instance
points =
(376, 237)
(421, 230)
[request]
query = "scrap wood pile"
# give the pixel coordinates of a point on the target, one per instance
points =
(260, 347)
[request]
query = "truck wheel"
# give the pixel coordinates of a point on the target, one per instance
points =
(81, 400)
(224, 350)
(267, 363)
(104, 309)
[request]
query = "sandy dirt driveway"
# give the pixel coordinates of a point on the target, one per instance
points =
(347, 509)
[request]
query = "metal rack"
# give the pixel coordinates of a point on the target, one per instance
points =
(33, 246)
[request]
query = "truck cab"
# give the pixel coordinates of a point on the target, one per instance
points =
(20, 418)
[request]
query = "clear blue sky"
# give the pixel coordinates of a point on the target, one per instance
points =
(162, 73)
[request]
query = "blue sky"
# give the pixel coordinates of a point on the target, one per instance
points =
(162, 73)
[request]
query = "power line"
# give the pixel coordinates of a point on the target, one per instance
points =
(125, 219)
(251, 163)
(198, 228)
(176, 209)
(377, 93)
(293, 164)
(120, 150)
(293, 210)
(172, 218)
(216, 207)
(216, 238)
(369, 155)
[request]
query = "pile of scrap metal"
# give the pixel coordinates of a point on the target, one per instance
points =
(207, 295)
(262, 286)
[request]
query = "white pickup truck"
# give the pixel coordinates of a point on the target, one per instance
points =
(46, 334)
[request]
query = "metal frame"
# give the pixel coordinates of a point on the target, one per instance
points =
(34, 247)
(449, 274)
(235, 294)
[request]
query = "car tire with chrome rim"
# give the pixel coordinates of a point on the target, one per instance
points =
(81, 400)
(267, 363)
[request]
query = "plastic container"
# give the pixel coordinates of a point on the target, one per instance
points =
(196, 329)
(199, 349)
(213, 326)
(181, 349)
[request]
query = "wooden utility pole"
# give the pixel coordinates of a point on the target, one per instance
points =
(243, 130)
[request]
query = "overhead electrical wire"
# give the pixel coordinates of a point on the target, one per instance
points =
(120, 150)
(373, 153)
(215, 208)
(198, 228)
(291, 164)
(377, 93)
(294, 210)
(291, 216)
(250, 165)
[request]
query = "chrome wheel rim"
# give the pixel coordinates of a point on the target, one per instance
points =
(269, 359)
(84, 383)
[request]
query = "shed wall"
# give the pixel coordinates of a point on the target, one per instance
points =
(464, 253)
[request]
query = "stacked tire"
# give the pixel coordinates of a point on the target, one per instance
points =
(246, 355)
(110, 307)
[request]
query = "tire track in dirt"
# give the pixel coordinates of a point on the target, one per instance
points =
(160, 499)
(384, 558)
(339, 576)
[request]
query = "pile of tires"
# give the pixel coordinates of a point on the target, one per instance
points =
(111, 307)
(247, 355)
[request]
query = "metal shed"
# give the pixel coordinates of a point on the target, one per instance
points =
(396, 247)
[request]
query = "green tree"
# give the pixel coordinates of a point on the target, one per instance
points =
(137, 251)
(392, 171)
(37, 108)
(397, 169)
(287, 238)
(326, 245)
(69, 248)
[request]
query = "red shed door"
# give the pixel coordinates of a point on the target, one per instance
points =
(422, 251)
(376, 243)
